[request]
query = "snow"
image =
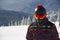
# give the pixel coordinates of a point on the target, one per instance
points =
(13, 32)
(58, 27)
(16, 32)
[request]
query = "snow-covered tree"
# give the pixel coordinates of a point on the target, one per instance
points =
(28, 20)
(15, 23)
(51, 15)
(58, 16)
(11, 23)
(22, 21)
(25, 21)
(33, 19)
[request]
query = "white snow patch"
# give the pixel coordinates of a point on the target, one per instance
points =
(58, 28)
(57, 23)
(13, 32)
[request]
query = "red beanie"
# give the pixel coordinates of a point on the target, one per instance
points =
(40, 9)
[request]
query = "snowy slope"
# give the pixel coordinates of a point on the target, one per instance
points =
(58, 27)
(13, 33)
(16, 32)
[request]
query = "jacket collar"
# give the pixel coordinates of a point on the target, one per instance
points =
(42, 23)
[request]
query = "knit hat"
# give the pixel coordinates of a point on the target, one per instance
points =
(40, 12)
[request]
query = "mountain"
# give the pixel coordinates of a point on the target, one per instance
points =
(8, 16)
(48, 4)
(28, 6)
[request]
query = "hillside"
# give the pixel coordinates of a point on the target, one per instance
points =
(8, 16)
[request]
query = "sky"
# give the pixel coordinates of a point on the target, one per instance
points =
(14, 4)
(27, 5)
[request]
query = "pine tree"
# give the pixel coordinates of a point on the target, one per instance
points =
(25, 23)
(15, 22)
(28, 20)
(58, 16)
(22, 21)
(33, 19)
(11, 23)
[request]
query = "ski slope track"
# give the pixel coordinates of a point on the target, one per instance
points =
(16, 32)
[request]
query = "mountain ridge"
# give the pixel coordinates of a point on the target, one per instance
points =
(8, 16)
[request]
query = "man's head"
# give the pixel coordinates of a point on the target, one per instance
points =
(40, 13)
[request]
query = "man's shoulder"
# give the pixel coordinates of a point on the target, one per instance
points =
(47, 24)
(50, 23)
(33, 24)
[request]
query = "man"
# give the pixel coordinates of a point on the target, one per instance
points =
(41, 29)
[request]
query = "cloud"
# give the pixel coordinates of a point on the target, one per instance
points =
(27, 5)
(14, 4)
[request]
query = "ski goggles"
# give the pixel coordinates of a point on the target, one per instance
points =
(39, 16)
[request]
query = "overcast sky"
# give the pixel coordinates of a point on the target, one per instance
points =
(18, 5)
(14, 4)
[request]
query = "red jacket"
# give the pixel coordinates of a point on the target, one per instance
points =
(46, 31)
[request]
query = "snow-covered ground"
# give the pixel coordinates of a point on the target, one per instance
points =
(13, 32)
(16, 32)
(58, 27)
